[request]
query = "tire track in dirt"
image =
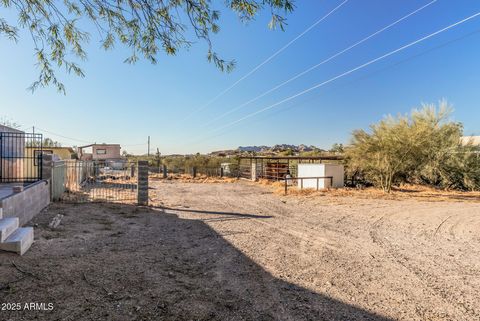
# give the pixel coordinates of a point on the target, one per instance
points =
(356, 246)
(429, 281)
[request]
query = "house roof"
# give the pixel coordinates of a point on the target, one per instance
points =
(70, 149)
(7, 129)
(103, 145)
(475, 140)
(326, 157)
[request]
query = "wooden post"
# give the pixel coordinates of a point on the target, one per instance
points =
(221, 171)
(132, 170)
(254, 171)
(165, 171)
(194, 174)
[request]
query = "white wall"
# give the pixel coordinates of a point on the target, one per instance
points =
(338, 173)
(321, 170)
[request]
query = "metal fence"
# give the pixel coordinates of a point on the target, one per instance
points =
(209, 171)
(86, 181)
(313, 182)
(278, 167)
(20, 157)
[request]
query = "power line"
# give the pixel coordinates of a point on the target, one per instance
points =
(66, 137)
(265, 61)
(321, 63)
(350, 71)
(142, 144)
(374, 73)
(79, 140)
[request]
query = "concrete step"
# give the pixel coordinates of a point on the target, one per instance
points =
(7, 226)
(19, 242)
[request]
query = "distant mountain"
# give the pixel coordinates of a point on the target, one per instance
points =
(256, 149)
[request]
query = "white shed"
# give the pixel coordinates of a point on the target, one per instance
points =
(321, 170)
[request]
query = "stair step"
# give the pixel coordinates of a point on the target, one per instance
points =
(19, 242)
(7, 226)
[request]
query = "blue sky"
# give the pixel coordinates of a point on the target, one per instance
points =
(121, 103)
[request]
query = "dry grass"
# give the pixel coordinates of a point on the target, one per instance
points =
(404, 192)
(186, 178)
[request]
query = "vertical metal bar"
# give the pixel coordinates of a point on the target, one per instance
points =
(301, 182)
(317, 182)
(286, 186)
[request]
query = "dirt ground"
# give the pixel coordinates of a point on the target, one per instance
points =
(237, 251)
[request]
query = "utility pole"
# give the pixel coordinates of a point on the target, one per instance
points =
(148, 153)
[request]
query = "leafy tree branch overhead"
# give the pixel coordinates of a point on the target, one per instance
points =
(147, 27)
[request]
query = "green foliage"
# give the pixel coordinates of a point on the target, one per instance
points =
(186, 163)
(423, 147)
(313, 153)
(147, 27)
(47, 142)
(337, 148)
(288, 152)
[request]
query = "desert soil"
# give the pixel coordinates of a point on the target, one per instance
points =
(237, 251)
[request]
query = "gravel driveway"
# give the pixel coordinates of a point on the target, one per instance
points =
(236, 251)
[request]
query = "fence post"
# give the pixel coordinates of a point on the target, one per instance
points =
(254, 170)
(194, 173)
(221, 171)
(132, 170)
(142, 183)
(47, 170)
(165, 171)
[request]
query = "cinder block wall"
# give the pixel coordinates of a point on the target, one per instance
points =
(27, 204)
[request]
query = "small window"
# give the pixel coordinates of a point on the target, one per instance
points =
(101, 151)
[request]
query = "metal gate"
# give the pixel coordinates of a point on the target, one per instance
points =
(20, 157)
(87, 181)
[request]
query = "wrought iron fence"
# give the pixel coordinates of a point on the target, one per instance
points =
(20, 157)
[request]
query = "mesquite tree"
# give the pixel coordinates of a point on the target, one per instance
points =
(147, 27)
(423, 147)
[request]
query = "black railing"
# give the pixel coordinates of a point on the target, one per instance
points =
(317, 179)
(20, 157)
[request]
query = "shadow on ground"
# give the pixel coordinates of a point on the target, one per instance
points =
(118, 262)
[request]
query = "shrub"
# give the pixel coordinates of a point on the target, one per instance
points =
(423, 147)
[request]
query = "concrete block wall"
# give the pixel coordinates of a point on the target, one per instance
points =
(25, 205)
